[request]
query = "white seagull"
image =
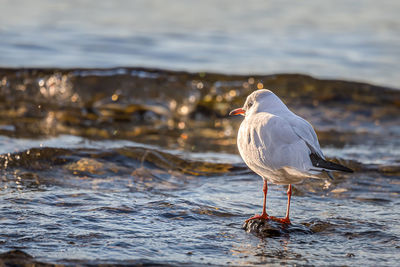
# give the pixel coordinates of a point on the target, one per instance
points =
(279, 146)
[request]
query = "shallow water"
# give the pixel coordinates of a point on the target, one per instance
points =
(345, 39)
(141, 166)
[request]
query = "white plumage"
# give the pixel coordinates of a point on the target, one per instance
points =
(278, 145)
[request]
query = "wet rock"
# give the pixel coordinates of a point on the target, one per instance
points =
(19, 258)
(263, 228)
(317, 226)
(15, 254)
(269, 228)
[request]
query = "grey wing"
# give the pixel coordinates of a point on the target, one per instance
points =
(283, 146)
(306, 132)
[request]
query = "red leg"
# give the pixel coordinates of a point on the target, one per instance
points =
(264, 214)
(286, 219)
(289, 196)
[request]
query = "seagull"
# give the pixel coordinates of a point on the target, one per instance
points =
(279, 146)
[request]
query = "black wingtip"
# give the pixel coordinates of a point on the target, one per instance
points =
(343, 168)
(319, 162)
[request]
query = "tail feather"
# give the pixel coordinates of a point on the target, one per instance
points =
(319, 162)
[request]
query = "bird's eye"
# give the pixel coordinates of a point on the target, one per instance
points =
(250, 104)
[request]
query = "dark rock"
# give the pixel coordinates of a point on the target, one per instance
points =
(270, 228)
(263, 228)
(19, 258)
(15, 254)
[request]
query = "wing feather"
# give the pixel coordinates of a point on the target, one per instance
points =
(306, 132)
(271, 142)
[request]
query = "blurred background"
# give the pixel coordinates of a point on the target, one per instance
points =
(116, 147)
(353, 40)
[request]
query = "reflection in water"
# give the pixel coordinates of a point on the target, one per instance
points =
(267, 251)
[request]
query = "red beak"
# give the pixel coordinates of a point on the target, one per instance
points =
(238, 111)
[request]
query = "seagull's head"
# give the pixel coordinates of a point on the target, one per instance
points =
(254, 102)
